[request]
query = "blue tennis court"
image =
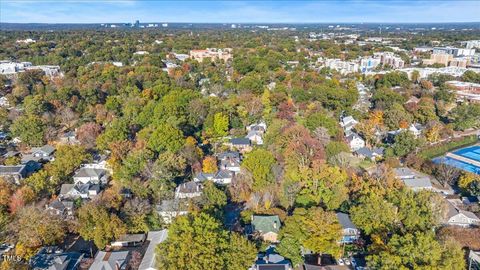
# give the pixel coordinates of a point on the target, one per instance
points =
(472, 152)
(458, 164)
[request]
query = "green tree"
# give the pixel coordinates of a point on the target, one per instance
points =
(97, 224)
(198, 242)
(314, 229)
(259, 162)
(418, 250)
(116, 131)
(220, 124)
(405, 142)
(374, 214)
(291, 248)
(30, 129)
(166, 137)
(321, 119)
(212, 197)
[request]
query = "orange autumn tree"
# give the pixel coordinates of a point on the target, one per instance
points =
(209, 165)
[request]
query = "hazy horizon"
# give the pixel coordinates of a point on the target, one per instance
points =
(243, 12)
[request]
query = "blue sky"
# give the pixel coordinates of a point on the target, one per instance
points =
(90, 11)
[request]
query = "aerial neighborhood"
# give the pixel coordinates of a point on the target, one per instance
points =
(240, 147)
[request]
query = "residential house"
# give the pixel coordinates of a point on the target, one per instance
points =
(223, 177)
(79, 190)
(202, 177)
(60, 208)
(266, 226)
(372, 154)
(414, 179)
(154, 238)
(39, 154)
(348, 123)
(85, 175)
(129, 240)
(229, 160)
(4, 102)
(232, 165)
(350, 232)
(256, 132)
(170, 209)
(190, 189)
(241, 144)
(69, 137)
(53, 259)
(111, 260)
(271, 260)
(355, 141)
(415, 129)
(99, 162)
(457, 217)
(255, 137)
(13, 173)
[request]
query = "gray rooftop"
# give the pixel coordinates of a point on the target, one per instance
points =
(154, 238)
(240, 141)
(344, 220)
(110, 260)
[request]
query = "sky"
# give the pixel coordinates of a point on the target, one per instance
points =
(357, 11)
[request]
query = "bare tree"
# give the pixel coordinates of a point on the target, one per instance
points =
(321, 134)
(446, 175)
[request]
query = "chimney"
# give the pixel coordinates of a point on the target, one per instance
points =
(274, 224)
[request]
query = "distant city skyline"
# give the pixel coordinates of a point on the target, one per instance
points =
(347, 11)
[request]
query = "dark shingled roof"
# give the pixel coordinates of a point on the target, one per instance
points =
(240, 141)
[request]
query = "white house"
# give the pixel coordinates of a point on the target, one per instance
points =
(457, 217)
(350, 232)
(256, 131)
(255, 137)
(190, 189)
(75, 191)
(348, 123)
(355, 141)
(85, 175)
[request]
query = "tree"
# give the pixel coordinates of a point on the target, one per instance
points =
(220, 124)
(323, 185)
(465, 116)
(87, 134)
(405, 142)
(470, 182)
(97, 224)
(314, 229)
(6, 190)
(417, 250)
(395, 115)
(291, 248)
(209, 165)
(34, 228)
(259, 163)
(374, 214)
(240, 253)
(166, 137)
(212, 197)
(30, 129)
(198, 242)
(116, 131)
(322, 119)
